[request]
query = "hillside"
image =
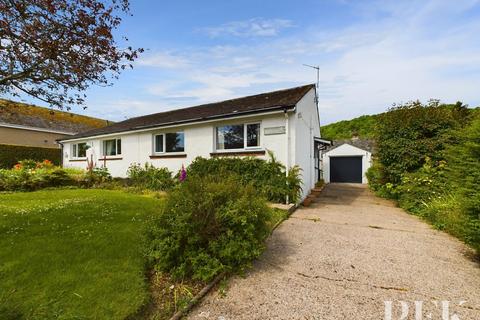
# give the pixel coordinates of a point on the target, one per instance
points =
(363, 127)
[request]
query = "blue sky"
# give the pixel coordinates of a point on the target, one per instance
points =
(371, 54)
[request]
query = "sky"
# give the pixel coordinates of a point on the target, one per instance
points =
(371, 54)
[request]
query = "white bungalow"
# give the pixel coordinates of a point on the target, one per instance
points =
(285, 122)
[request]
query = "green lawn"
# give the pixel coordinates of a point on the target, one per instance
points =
(72, 254)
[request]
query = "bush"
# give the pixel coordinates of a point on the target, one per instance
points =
(268, 177)
(11, 155)
(407, 134)
(150, 177)
(208, 226)
(419, 188)
(463, 159)
(24, 179)
(96, 177)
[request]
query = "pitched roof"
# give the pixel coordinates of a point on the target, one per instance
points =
(364, 144)
(26, 115)
(269, 101)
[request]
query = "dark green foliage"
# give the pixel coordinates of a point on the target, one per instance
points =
(208, 225)
(409, 133)
(150, 177)
(268, 177)
(463, 159)
(422, 186)
(11, 155)
(429, 160)
(363, 127)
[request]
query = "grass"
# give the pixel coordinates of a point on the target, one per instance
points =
(73, 254)
(78, 254)
(277, 216)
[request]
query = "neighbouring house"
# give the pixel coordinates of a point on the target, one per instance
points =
(285, 122)
(28, 125)
(348, 160)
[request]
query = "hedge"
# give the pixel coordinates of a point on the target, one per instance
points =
(11, 154)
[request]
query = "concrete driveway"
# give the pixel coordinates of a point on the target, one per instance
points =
(343, 257)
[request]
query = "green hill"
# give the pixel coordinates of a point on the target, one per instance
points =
(363, 127)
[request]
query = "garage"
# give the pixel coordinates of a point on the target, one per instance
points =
(347, 161)
(346, 169)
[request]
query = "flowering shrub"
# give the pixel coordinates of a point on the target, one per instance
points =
(28, 175)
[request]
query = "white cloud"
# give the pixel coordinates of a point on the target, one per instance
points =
(256, 27)
(163, 60)
(418, 50)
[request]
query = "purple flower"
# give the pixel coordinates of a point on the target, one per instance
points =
(183, 174)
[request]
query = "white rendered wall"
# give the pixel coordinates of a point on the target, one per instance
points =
(306, 127)
(347, 150)
(199, 142)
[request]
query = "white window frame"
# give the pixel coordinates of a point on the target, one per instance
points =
(75, 150)
(164, 139)
(245, 147)
(116, 148)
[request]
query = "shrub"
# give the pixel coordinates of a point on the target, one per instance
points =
(407, 134)
(25, 179)
(150, 177)
(95, 177)
(419, 188)
(208, 226)
(268, 177)
(463, 159)
(11, 155)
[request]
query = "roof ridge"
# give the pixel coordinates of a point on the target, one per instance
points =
(223, 101)
(23, 104)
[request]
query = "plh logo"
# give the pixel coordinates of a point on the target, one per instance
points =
(406, 310)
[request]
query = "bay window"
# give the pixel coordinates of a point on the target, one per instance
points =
(238, 136)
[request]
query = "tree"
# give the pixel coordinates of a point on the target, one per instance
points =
(54, 50)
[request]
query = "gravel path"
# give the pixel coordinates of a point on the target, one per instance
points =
(343, 257)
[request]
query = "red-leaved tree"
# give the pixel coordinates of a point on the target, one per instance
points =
(54, 50)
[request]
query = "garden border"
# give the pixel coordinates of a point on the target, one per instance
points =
(180, 313)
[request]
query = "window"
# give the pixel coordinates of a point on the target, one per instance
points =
(169, 142)
(159, 143)
(253, 135)
(240, 136)
(79, 150)
(112, 147)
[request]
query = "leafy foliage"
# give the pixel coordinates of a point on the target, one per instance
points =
(11, 154)
(208, 225)
(429, 160)
(53, 50)
(363, 127)
(268, 177)
(29, 175)
(463, 159)
(409, 133)
(150, 177)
